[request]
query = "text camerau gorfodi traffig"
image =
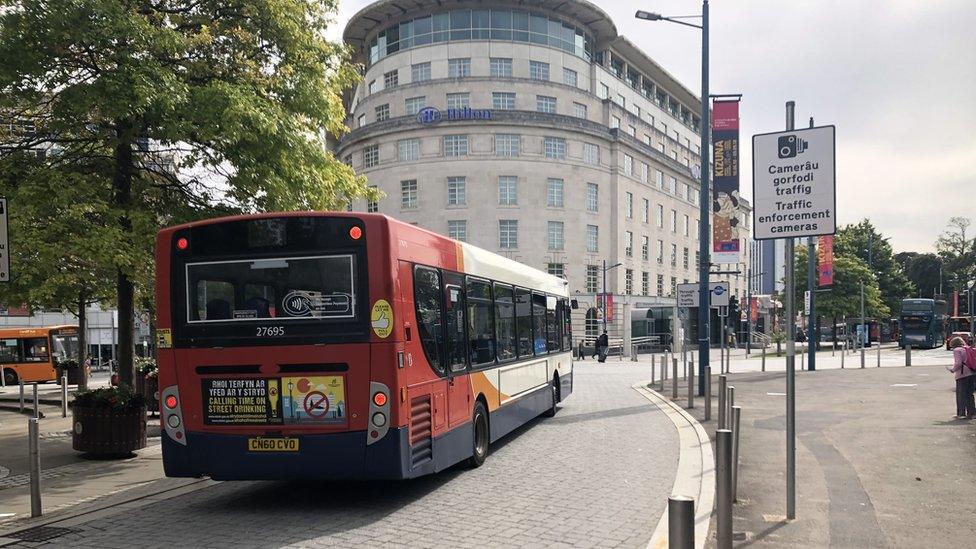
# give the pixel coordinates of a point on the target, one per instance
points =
(798, 183)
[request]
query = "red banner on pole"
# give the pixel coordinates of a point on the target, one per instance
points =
(754, 310)
(825, 259)
(725, 182)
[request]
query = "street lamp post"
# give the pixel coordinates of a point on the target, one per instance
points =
(704, 199)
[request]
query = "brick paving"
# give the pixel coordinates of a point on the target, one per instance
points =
(596, 475)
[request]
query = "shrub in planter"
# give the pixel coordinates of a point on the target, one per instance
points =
(147, 382)
(108, 422)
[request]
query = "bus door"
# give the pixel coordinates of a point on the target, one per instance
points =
(455, 351)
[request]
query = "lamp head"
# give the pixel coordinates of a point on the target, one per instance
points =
(648, 16)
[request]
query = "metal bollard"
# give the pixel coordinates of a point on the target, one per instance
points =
(879, 354)
(723, 394)
(908, 355)
(633, 353)
(64, 395)
(674, 379)
(691, 384)
(843, 351)
(36, 408)
(862, 354)
(764, 358)
(681, 522)
(736, 414)
(730, 402)
(833, 348)
(708, 393)
(3, 379)
(723, 488)
(35, 467)
(653, 367)
(22, 397)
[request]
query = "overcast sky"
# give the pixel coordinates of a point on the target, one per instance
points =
(897, 78)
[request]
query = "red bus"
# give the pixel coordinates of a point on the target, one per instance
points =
(338, 345)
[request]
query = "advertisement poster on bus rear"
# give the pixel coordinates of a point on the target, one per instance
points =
(314, 399)
(725, 182)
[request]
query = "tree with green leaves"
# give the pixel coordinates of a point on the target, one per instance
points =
(922, 269)
(864, 241)
(956, 247)
(169, 106)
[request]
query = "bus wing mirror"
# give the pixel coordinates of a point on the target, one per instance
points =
(574, 304)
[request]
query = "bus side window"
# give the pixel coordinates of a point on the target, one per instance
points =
(455, 343)
(523, 321)
(35, 349)
(427, 300)
(505, 321)
(481, 329)
(539, 323)
(10, 351)
(552, 325)
(563, 316)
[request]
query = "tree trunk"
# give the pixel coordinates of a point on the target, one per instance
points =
(122, 187)
(82, 341)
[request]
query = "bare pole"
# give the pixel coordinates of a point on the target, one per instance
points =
(790, 360)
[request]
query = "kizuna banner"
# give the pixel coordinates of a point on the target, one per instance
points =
(825, 259)
(725, 182)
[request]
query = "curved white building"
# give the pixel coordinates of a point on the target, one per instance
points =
(536, 131)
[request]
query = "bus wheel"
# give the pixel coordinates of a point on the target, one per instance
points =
(9, 376)
(480, 438)
(554, 392)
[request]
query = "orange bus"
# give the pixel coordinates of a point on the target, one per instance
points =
(314, 345)
(37, 354)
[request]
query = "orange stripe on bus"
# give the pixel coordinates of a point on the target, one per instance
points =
(481, 384)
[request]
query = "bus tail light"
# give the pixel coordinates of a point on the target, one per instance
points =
(174, 414)
(379, 412)
(182, 243)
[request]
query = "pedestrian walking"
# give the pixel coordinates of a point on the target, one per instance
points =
(602, 345)
(580, 353)
(964, 368)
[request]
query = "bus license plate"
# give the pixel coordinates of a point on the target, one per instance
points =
(272, 444)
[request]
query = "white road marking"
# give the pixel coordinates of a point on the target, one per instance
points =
(776, 394)
(904, 385)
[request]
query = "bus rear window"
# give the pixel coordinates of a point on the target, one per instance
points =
(288, 288)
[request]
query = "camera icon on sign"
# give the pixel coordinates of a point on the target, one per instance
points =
(790, 146)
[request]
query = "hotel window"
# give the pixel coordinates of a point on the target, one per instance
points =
(592, 197)
(508, 233)
(570, 77)
(508, 144)
(555, 147)
(660, 251)
(556, 236)
(592, 273)
(455, 145)
(687, 225)
(503, 101)
(621, 100)
(361, 121)
(579, 110)
(545, 103)
(629, 205)
(507, 190)
(633, 131)
(659, 178)
(592, 238)
(371, 205)
(458, 230)
(372, 87)
(458, 100)
(371, 156)
(660, 216)
(457, 192)
(556, 269)
(647, 140)
(629, 281)
(501, 67)
(674, 255)
(660, 285)
(391, 79)
(629, 244)
(674, 286)
(645, 283)
(382, 112)
(554, 193)
(420, 72)
(628, 164)
(413, 104)
(604, 91)
(645, 210)
(673, 185)
(538, 70)
(674, 221)
(614, 121)
(645, 248)
(459, 67)
(408, 194)
(408, 149)
(643, 172)
(684, 261)
(697, 259)
(591, 153)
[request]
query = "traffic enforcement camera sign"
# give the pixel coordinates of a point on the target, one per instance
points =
(688, 294)
(794, 183)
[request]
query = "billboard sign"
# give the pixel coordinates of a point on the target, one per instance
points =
(725, 182)
(794, 177)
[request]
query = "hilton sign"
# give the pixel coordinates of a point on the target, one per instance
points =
(431, 115)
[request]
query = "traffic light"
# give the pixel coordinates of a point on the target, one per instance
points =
(734, 314)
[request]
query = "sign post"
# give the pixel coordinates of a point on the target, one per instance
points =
(794, 196)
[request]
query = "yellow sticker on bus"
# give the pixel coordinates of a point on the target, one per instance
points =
(164, 338)
(382, 318)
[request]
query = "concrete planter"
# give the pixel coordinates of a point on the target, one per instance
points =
(106, 432)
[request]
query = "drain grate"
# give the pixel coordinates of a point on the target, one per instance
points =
(41, 533)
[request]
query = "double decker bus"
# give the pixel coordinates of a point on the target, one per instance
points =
(328, 345)
(37, 354)
(922, 323)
